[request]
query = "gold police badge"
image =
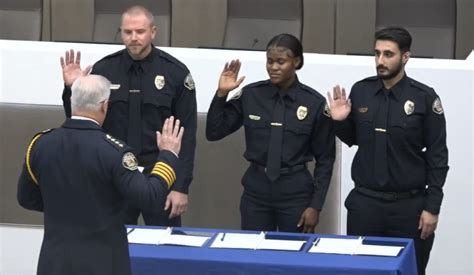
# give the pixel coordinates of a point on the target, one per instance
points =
(301, 112)
(437, 106)
(159, 82)
(129, 161)
(409, 107)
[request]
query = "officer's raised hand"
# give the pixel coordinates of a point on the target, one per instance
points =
(339, 104)
(71, 66)
(228, 80)
(170, 136)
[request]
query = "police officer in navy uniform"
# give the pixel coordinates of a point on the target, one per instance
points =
(148, 85)
(287, 124)
(401, 163)
(79, 176)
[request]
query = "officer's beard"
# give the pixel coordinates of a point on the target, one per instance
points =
(389, 74)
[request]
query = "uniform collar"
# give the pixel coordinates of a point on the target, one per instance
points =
(396, 90)
(146, 63)
(289, 93)
(81, 124)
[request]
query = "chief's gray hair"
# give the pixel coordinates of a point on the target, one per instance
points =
(88, 92)
(139, 10)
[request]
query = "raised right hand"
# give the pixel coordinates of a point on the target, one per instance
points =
(170, 136)
(228, 80)
(339, 104)
(72, 67)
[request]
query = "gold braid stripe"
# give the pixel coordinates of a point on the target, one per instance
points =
(167, 168)
(160, 170)
(28, 155)
(165, 171)
(159, 173)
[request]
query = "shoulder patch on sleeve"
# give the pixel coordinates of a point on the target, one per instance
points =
(437, 106)
(234, 94)
(327, 111)
(129, 161)
(189, 82)
(116, 143)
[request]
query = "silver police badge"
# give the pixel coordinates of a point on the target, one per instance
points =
(189, 82)
(129, 161)
(409, 107)
(301, 112)
(437, 106)
(159, 82)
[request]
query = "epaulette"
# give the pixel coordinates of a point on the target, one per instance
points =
(311, 90)
(116, 143)
(173, 60)
(111, 55)
(257, 84)
(370, 78)
(420, 86)
(28, 153)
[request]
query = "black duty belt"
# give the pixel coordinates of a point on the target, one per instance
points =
(389, 196)
(285, 170)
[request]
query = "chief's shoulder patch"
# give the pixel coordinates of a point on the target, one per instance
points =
(129, 161)
(116, 143)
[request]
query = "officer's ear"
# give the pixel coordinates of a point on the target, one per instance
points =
(405, 57)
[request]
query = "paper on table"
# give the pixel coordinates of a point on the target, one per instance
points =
(237, 240)
(288, 245)
(254, 241)
(353, 247)
(335, 246)
(147, 235)
(185, 240)
(379, 250)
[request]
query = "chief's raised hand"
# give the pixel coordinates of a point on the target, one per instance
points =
(170, 136)
(71, 66)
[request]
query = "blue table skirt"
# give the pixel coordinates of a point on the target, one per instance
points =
(165, 259)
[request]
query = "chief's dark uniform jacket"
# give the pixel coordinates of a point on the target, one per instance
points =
(303, 139)
(166, 88)
(417, 155)
(79, 177)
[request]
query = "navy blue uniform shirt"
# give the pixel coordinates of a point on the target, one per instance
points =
(306, 135)
(80, 177)
(166, 88)
(416, 156)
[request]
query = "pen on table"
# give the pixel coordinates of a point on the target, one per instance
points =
(315, 243)
(223, 236)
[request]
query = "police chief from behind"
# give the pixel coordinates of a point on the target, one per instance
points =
(79, 177)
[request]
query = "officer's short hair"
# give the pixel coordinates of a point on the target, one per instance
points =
(139, 10)
(290, 42)
(89, 92)
(395, 34)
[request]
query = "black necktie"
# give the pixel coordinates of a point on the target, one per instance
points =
(276, 137)
(134, 109)
(380, 160)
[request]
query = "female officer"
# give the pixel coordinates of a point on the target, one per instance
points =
(286, 125)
